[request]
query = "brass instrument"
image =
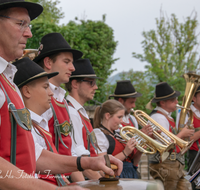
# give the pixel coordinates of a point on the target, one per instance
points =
(166, 137)
(30, 53)
(192, 83)
(145, 144)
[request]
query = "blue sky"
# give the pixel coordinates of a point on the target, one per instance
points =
(128, 18)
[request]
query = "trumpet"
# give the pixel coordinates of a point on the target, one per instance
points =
(166, 137)
(145, 144)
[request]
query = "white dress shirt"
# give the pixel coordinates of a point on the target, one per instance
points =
(9, 71)
(39, 141)
(161, 119)
(102, 140)
(58, 94)
(78, 125)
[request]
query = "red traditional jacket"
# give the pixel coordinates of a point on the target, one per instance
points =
(87, 124)
(50, 146)
(196, 123)
(115, 147)
(63, 117)
(25, 148)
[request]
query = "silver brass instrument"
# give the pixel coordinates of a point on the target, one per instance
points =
(166, 137)
(192, 83)
(145, 144)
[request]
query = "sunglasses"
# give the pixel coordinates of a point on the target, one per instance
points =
(91, 82)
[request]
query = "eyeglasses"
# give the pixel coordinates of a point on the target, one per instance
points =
(23, 23)
(91, 82)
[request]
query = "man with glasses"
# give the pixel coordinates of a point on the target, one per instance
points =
(171, 171)
(82, 87)
(16, 141)
(14, 21)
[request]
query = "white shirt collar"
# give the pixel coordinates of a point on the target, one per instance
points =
(41, 121)
(163, 111)
(77, 106)
(58, 92)
(3, 65)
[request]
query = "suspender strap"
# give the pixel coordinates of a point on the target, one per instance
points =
(59, 178)
(57, 130)
(132, 121)
(91, 138)
(70, 121)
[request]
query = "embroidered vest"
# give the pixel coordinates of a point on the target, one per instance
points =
(115, 147)
(25, 148)
(50, 147)
(63, 117)
(196, 123)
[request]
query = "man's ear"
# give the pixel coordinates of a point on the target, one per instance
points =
(47, 63)
(25, 91)
(74, 84)
(162, 103)
(194, 99)
(107, 116)
(121, 100)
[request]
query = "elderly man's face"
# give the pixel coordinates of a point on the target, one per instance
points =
(13, 37)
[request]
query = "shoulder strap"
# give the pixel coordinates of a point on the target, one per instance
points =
(57, 130)
(132, 121)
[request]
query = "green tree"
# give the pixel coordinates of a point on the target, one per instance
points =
(171, 50)
(50, 13)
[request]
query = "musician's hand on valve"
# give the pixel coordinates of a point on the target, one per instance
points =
(186, 132)
(148, 130)
(130, 146)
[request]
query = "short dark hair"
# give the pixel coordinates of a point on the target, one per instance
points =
(68, 85)
(52, 57)
(117, 98)
(5, 12)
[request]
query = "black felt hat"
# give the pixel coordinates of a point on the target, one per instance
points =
(34, 9)
(125, 89)
(83, 69)
(28, 71)
(54, 43)
(164, 92)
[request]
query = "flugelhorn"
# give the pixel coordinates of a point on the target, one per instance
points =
(166, 137)
(145, 144)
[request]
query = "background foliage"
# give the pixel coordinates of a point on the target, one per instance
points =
(94, 38)
(169, 50)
